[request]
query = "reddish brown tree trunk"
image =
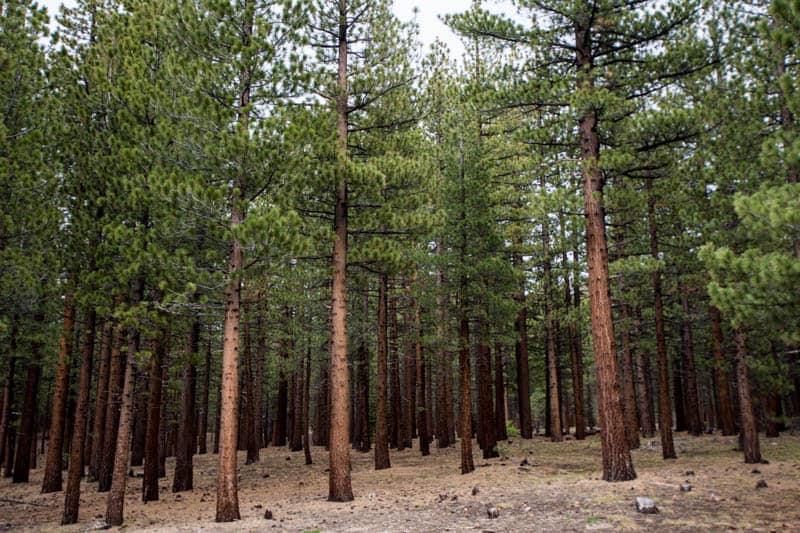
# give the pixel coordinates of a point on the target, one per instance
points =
(576, 357)
(396, 425)
(409, 388)
(721, 366)
(101, 400)
(26, 436)
(521, 356)
(644, 403)
(138, 444)
(617, 463)
(53, 464)
(692, 395)
(381, 423)
(76, 457)
(628, 391)
(115, 379)
(749, 432)
(184, 468)
(664, 402)
(486, 433)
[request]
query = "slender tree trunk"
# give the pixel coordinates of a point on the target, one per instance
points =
(499, 394)
(26, 436)
(749, 432)
(203, 422)
(279, 428)
(141, 381)
(101, 399)
(217, 423)
(115, 382)
(339, 486)
(154, 409)
(664, 403)
(115, 504)
(381, 424)
(322, 424)
(76, 462)
(258, 375)
(54, 462)
(486, 425)
(409, 391)
(678, 393)
(553, 403)
(644, 404)
(396, 427)
(251, 411)
(442, 364)
(628, 391)
(692, 396)
(184, 468)
(465, 401)
(576, 355)
(364, 443)
(421, 384)
(521, 355)
(297, 430)
(306, 397)
(721, 375)
(8, 398)
(617, 463)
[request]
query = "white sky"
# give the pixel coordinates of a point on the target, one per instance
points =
(427, 17)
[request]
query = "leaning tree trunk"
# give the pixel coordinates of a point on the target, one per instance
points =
(749, 432)
(617, 463)
(183, 479)
(73, 492)
(53, 464)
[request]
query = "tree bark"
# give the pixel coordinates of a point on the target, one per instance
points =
(521, 356)
(465, 400)
(382, 460)
(321, 422)
(203, 422)
(258, 375)
(576, 355)
(644, 403)
(76, 462)
(101, 399)
(8, 398)
(664, 402)
(628, 391)
(617, 463)
(251, 411)
(26, 436)
(396, 425)
(306, 397)
(721, 366)
(421, 384)
(184, 468)
(54, 462)
(155, 405)
(115, 383)
(692, 396)
(486, 424)
(442, 364)
(499, 394)
(749, 432)
(139, 419)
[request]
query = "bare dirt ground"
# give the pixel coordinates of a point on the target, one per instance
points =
(560, 490)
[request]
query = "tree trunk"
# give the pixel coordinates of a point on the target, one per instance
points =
(364, 443)
(321, 423)
(628, 391)
(644, 404)
(203, 422)
(499, 394)
(692, 396)
(678, 393)
(154, 408)
(184, 468)
(381, 424)
(521, 356)
(442, 364)
(101, 400)
(296, 443)
(139, 419)
(250, 411)
(396, 426)
(617, 463)
(749, 432)
(721, 366)
(279, 427)
(76, 457)
(26, 436)
(465, 400)
(8, 398)
(576, 356)
(664, 402)
(486, 423)
(306, 397)
(339, 486)
(115, 382)
(409, 383)
(258, 375)
(421, 384)
(54, 461)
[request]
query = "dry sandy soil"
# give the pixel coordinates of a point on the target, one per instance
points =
(560, 490)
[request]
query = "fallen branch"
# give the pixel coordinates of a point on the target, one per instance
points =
(8, 500)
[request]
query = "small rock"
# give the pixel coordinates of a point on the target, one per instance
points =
(689, 473)
(492, 511)
(288, 457)
(442, 497)
(761, 484)
(524, 462)
(685, 487)
(475, 490)
(714, 497)
(178, 497)
(755, 471)
(268, 515)
(100, 525)
(526, 508)
(454, 498)
(265, 476)
(646, 505)
(258, 506)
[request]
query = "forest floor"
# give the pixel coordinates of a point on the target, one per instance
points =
(560, 490)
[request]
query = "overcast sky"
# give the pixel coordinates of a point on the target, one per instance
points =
(428, 18)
